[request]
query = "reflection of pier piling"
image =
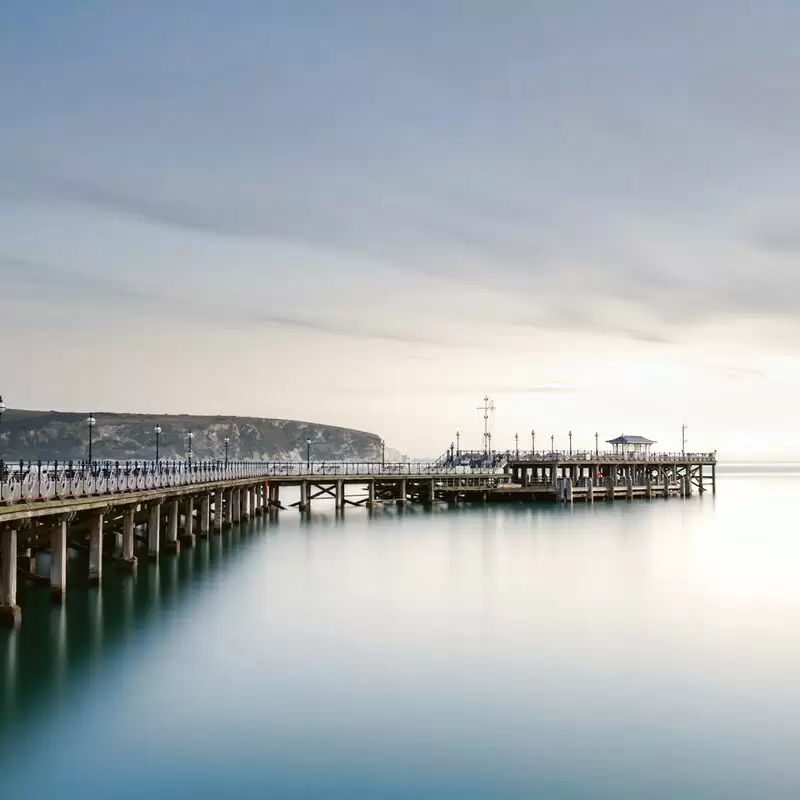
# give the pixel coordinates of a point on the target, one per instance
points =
(114, 517)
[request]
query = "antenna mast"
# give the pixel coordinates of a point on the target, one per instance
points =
(487, 407)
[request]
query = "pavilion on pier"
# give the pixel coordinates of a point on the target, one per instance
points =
(631, 445)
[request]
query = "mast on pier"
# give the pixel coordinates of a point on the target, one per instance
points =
(487, 408)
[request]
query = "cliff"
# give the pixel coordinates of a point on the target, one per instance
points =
(51, 435)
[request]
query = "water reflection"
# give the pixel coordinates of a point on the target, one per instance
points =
(639, 649)
(8, 658)
(59, 648)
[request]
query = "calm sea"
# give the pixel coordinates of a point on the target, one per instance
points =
(627, 650)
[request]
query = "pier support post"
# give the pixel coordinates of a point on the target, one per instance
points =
(58, 563)
(10, 613)
(431, 492)
(610, 488)
(244, 502)
(629, 487)
(129, 560)
(274, 498)
(713, 479)
(218, 519)
(371, 494)
(205, 515)
(228, 510)
(171, 543)
(305, 502)
(340, 495)
(26, 560)
(236, 506)
(589, 490)
(153, 530)
(187, 537)
(401, 500)
(95, 549)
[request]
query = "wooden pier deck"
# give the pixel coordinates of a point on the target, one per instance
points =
(113, 514)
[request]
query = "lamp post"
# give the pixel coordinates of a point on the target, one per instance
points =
(191, 436)
(458, 443)
(552, 443)
(516, 444)
(489, 439)
(227, 441)
(2, 411)
(383, 453)
(91, 422)
(533, 441)
(308, 454)
(570, 444)
(596, 443)
(157, 431)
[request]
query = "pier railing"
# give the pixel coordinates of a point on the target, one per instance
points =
(31, 481)
(539, 456)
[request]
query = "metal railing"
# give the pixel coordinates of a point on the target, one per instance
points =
(497, 457)
(31, 481)
(465, 481)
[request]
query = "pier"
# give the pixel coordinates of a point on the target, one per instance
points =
(113, 513)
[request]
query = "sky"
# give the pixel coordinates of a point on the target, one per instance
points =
(372, 214)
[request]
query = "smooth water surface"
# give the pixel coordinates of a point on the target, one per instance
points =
(644, 649)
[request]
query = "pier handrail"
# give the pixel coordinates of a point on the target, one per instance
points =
(605, 456)
(34, 481)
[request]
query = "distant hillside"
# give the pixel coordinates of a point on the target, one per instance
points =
(50, 435)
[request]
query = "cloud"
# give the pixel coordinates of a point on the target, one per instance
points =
(55, 281)
(779, 238)
(49, 279)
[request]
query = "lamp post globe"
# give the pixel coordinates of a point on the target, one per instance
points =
(308, 453)
(157, 431)
(191, 436)
(227, 441)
